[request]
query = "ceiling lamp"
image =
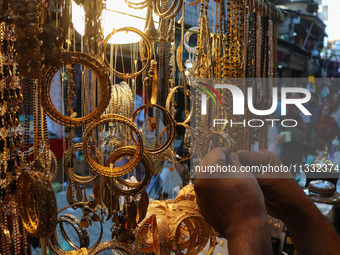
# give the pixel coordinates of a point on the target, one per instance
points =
(116, 15)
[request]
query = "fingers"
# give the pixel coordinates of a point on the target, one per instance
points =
(236, 165)
(251, 158)
(234, 160)
(217, 155)
(270, 166)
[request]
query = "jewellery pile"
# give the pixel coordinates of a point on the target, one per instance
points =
(89, 88)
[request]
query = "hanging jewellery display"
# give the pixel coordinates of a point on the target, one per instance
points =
(102, 118)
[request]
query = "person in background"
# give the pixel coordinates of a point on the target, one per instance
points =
(275, 140)
(314, 107)
(292, 150)
(335, 107)
(324, 100)
(325, 129)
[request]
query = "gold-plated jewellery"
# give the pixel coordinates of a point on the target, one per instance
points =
(133, 188)
(112, 171)
(170, 98)
(37, 203)
(115, 246)
(73, 221)
(147, 43)
(69, 58)
(81, 180)
(170, 129)
(80, 227)
(175, 225)
(171, 11)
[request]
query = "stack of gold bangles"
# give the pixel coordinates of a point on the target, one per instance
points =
(170, 129)
(134, 188)
(69, 58)
(175, 225)
(115, 246)
(81, 180)
(37, 203)
(121, 101)
(83, 248)
(112, 171)
(81, 232)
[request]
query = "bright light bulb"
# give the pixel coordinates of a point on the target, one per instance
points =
(116, 15)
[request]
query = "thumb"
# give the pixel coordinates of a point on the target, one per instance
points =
(234, 160)
(236, 165)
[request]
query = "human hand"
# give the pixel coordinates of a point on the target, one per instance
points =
(233, 204)
(285, 200)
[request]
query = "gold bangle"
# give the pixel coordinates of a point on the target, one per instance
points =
(148, 235)
(183, 227)
(114, 245)
(148, 46)
(179, 227)
(140, 5)
(81, 180)
(168, 101)
(171, 128)
(114, 171)
(81, 232)
(54, 166)
(37, 203)
(135, 188)
(172, 152)
(70, 58)
(54, 250)
(129, 97)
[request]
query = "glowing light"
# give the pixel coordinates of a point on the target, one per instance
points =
(116, 15)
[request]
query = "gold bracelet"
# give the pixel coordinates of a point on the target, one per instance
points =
(81, 180)
(148, 46)
(192, 149)
(115, 246)
(140, 5)
(37, 203)
(129, 97)
(134, 188)
(168, 100)
(54, 250)
(54, 166)
(84, 240)
(148, 236)
(114, 171)
(170, 129)
(70, 58)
